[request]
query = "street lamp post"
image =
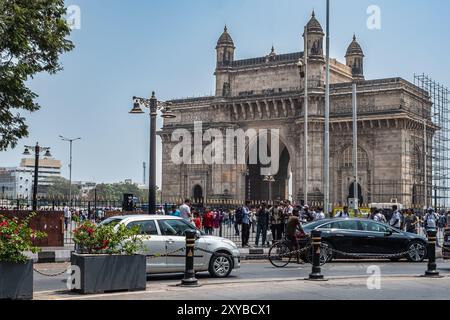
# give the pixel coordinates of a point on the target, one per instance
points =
(37, 150)
(70, 165)
(269, 180)
(154, 105)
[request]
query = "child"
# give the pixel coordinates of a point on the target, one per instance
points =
(197, 220)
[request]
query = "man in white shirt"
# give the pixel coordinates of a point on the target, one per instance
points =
(396, 219)
(67, 215)
(319, 215)
(343, 214)
(185, 210)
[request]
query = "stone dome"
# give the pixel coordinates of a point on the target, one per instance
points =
(225, 38)
(314, 25)
(354, 48)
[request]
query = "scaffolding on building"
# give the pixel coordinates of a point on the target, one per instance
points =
(425, 157)
(438, 155)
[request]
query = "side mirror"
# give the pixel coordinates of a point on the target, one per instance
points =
(388, 233)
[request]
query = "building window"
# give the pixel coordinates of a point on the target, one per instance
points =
(347, 158)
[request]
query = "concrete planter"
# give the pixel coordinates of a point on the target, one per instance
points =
(107, 273)
(16, 280)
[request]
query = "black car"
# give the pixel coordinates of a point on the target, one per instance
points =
(363, 238)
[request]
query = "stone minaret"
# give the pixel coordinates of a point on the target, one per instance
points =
(355, 59)
(225, 56)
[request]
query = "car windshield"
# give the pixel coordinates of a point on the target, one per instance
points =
(172, 227)
(111, 221)
(312, 225)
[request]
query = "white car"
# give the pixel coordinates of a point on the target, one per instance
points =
(165, 242)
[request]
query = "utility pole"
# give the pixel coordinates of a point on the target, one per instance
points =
(144, 167)
(70, 165)
(326, 162)
(37, 150)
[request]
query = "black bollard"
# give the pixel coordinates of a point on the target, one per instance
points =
(189, 274)
(431, 271)
(316, 274)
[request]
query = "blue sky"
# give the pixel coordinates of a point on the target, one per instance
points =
(127, 48)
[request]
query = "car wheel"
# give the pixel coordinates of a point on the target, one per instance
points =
(417, 251)
(220, 265)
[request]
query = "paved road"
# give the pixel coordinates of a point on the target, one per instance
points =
(259, 272)
(391, 288)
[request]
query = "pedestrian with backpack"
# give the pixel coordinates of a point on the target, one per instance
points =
(431, 223)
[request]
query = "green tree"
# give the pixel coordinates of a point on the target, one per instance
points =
(115, 191)
(32, 38)
(61, 187)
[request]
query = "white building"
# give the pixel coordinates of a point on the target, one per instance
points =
(17, 182)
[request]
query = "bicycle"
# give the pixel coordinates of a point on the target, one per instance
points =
(281, 253)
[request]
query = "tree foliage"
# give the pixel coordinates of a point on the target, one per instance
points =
(115, 191)
(61, 187)
(32, 38)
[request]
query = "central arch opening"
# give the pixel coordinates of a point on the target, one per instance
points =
(278, 188)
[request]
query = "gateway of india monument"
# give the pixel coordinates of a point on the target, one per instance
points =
(268, 92)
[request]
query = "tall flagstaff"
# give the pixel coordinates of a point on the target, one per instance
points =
(305, 155)
(326, 162)
(355, 147)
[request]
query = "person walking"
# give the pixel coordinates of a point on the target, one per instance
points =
(238, 216)
(276, 219)
(320, 215)
(197, 220)
(208, 221)
(431, 222)
(396, 219)
(253, 218)
(344, 214)
(245, 225)
(379, 216)
(67, 216)
(410, 222)
(263, 224)
(185, 210)
(175, 211)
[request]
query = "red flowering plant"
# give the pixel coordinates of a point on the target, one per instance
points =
(91, 238)
(16, 237)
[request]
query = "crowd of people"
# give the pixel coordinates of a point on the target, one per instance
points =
(270, 223)
(267, 222)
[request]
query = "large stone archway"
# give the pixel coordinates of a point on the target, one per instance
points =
(256, 188)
